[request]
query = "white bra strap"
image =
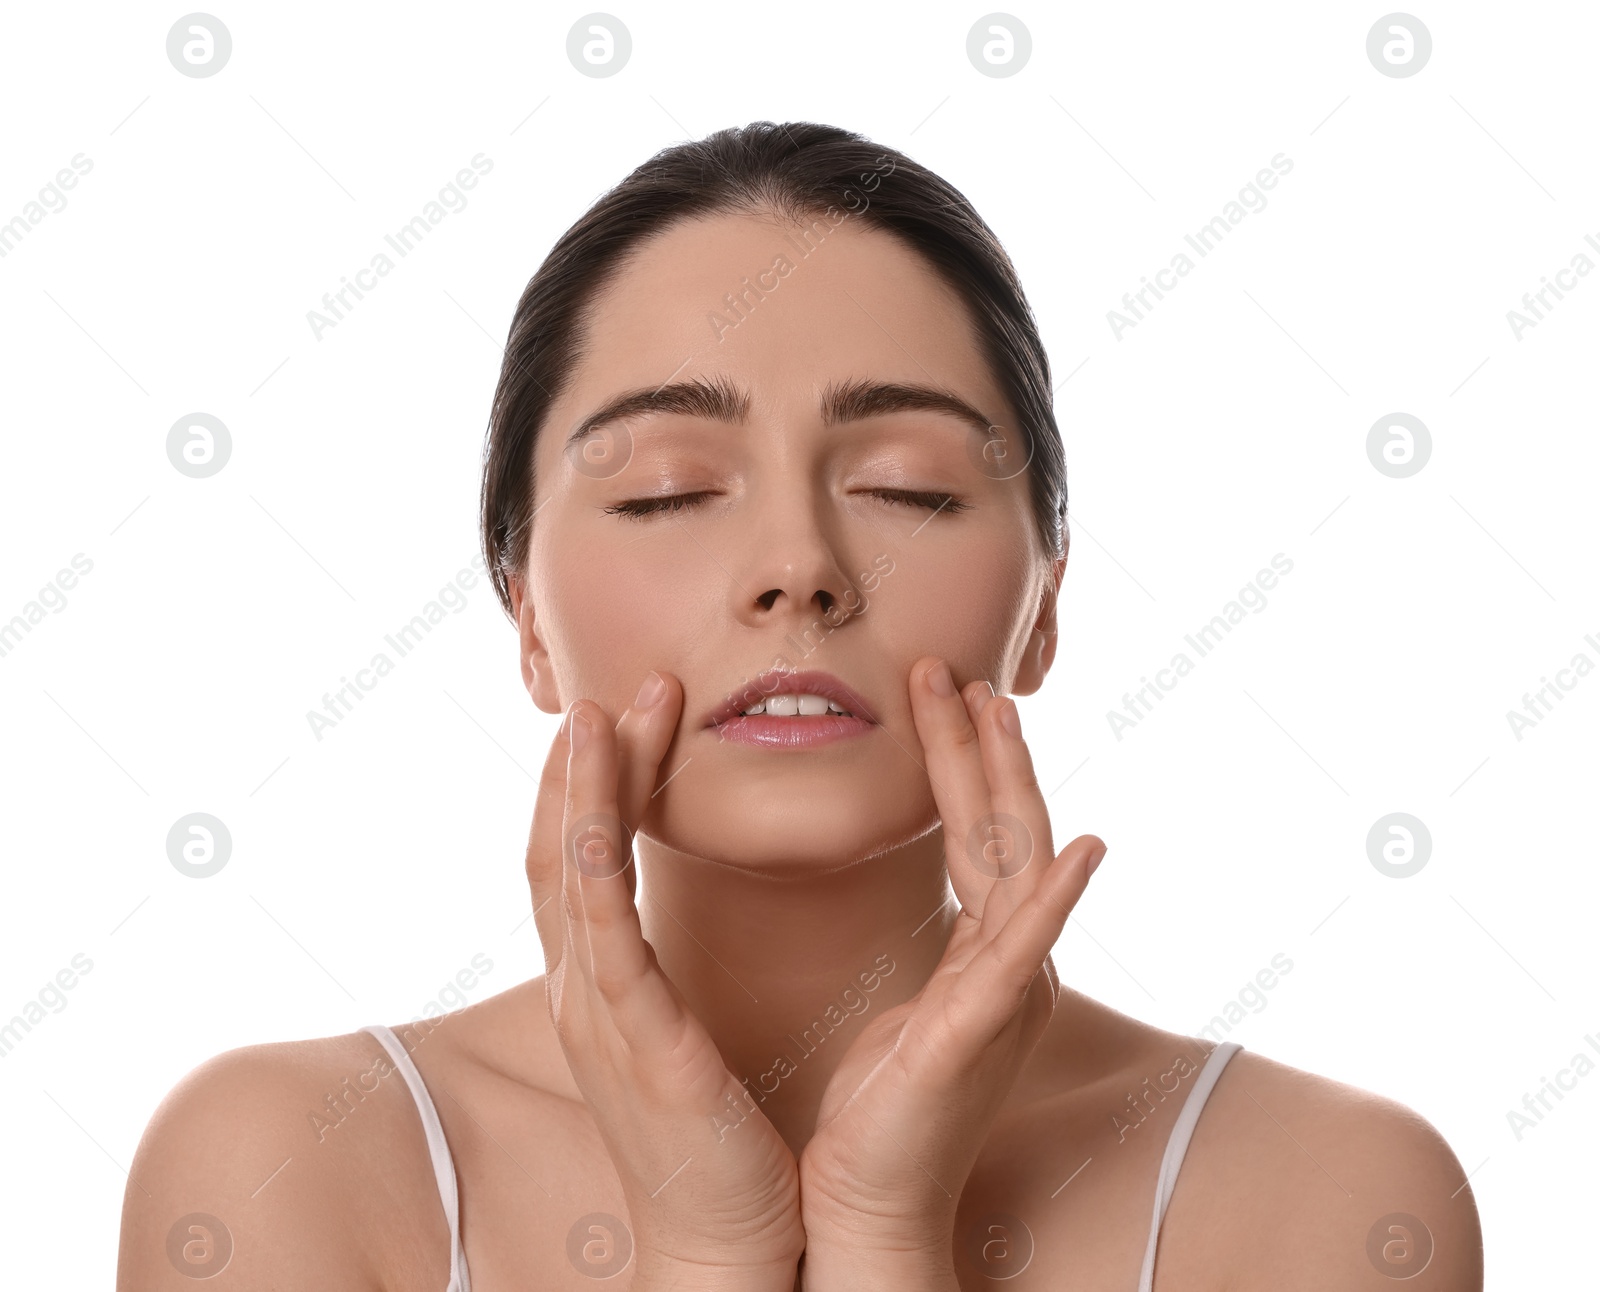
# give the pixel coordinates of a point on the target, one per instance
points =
(444, 1170)
(1177, 1146)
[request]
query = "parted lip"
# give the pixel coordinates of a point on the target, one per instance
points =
(782, 681)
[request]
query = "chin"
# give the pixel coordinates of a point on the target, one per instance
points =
(797, 832)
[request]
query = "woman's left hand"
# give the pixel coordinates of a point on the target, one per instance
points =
(906, 1113)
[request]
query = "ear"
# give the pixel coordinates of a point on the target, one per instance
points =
(1040, 651)
(537, 675)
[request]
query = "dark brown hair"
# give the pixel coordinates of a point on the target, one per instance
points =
(799, 170)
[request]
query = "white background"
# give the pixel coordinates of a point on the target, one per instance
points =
(1227, 426)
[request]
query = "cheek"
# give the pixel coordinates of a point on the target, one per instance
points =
(962, 601)
(616, 610)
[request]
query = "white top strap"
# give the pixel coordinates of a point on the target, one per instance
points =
(444, 1170)
(1177, 1146)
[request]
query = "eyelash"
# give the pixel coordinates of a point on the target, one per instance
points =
(640, 508)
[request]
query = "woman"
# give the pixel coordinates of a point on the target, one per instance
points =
(774, 494)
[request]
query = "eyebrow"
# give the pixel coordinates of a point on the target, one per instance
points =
(719, 400)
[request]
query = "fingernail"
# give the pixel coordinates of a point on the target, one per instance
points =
(981, 698)
(577, 730)
(651, 692)
(940, 680)
(1011, 720)
(1095, 864)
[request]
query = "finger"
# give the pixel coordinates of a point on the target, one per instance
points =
(994, 984)
(1019, 814)
(602, 921)
(644, 733)
(543, 860)
(960, 785)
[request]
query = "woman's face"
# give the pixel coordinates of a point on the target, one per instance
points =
(807, 532)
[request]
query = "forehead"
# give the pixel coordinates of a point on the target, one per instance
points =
(783, 309)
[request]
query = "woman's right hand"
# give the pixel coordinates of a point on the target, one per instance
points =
(712, 1190)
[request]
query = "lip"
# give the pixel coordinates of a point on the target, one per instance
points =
(728, 719)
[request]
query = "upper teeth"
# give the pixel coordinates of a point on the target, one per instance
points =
(788, 706)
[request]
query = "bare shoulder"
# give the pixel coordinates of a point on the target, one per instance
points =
(1312, 1183)
(290, 1164)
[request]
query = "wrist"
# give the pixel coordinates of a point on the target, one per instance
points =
(654, 1273)
(835, 1268)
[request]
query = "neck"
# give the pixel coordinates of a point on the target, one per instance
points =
(786, 972)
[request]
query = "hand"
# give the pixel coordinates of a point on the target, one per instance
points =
(712, 1190)
(909, 1107)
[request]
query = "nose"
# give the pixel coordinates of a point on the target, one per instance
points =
(794, 577)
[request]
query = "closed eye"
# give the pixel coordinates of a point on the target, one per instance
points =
(932, 499)
(639, 508)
